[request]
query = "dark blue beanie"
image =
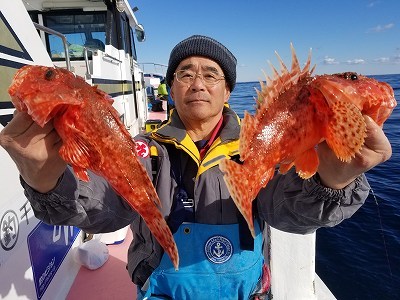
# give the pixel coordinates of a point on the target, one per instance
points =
(198, 45)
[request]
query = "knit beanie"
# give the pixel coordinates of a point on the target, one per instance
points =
(198, 45)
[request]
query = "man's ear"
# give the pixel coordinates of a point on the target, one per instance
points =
(171, 90)
(227, 94)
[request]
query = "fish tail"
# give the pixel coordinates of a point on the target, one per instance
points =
(153, 195)
(159, 228)
(237, 179)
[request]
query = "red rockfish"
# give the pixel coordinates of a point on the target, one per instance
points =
(295, 112)
(93, 138)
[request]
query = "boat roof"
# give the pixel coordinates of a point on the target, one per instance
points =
(85, 5)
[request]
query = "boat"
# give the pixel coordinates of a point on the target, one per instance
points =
(154, 74)
(96, 39)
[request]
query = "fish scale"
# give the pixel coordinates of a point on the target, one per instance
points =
(295, 112)
(93, 138)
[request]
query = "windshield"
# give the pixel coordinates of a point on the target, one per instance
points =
(83, 29)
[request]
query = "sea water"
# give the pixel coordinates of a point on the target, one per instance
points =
(359, 258)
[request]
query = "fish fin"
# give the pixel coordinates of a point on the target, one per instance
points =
(281, 82)
(239, 189)
(247, 131)
(81, 173)
(307, 163)
(80, 153)
(284, 168)
(346, 131)
(159, 228)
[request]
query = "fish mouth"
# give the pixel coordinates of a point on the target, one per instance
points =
(371, 97)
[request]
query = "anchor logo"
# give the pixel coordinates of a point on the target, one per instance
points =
(218, 249)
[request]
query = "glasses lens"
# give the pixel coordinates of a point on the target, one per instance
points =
(185, 76)
(208, 78)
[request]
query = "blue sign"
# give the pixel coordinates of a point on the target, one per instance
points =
(48, 245)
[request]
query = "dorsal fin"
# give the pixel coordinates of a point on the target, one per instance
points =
(281, 82)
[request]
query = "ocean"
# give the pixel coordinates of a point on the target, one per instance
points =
(359, 258)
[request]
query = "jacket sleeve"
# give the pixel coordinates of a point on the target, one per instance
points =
(92, 206)
(291, 204)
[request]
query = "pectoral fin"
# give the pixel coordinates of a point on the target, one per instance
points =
(346, 130)
(81, 154)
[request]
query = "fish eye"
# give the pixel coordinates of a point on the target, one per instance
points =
(353, 76)
(348, 75)
(49, 74)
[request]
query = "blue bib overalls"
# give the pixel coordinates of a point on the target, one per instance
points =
(212, 265)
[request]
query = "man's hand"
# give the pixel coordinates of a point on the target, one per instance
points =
(337, 174)
(34, 151)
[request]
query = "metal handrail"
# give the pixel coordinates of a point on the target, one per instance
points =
(111, 57)
(86, 57)
(63, 38)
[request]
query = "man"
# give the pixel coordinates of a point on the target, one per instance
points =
(218, 259)
(162, 92)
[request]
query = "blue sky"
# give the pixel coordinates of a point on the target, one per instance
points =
(353, 35)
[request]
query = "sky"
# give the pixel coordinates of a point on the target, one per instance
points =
(345, 35)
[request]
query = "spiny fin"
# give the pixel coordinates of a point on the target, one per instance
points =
(281, 82)
(81, 173)
(346, 130)
(307, 163)
(239, 189)
(247, 130)
(80, 153)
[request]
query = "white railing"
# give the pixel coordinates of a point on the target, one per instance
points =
(292, 263)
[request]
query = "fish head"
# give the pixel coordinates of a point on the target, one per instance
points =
(44, 91)
(374, 98)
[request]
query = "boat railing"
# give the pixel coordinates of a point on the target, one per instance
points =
(111, 59)
(62, 37)
(89, 68)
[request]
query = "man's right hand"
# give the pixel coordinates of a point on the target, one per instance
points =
(35, 151)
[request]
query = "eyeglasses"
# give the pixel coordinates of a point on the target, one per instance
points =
(188, 77)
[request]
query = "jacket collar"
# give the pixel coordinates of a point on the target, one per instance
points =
(175, 130)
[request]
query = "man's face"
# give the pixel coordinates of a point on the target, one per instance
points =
(199, 102)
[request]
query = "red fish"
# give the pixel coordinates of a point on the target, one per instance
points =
(93, 138)
(295, 112)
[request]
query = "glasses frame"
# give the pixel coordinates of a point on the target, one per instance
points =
(200, 75)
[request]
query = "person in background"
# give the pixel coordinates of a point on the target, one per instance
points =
(218, 257)
(162, 92)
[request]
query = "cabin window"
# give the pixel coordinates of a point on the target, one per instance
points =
(82, 29)
(133, 47)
